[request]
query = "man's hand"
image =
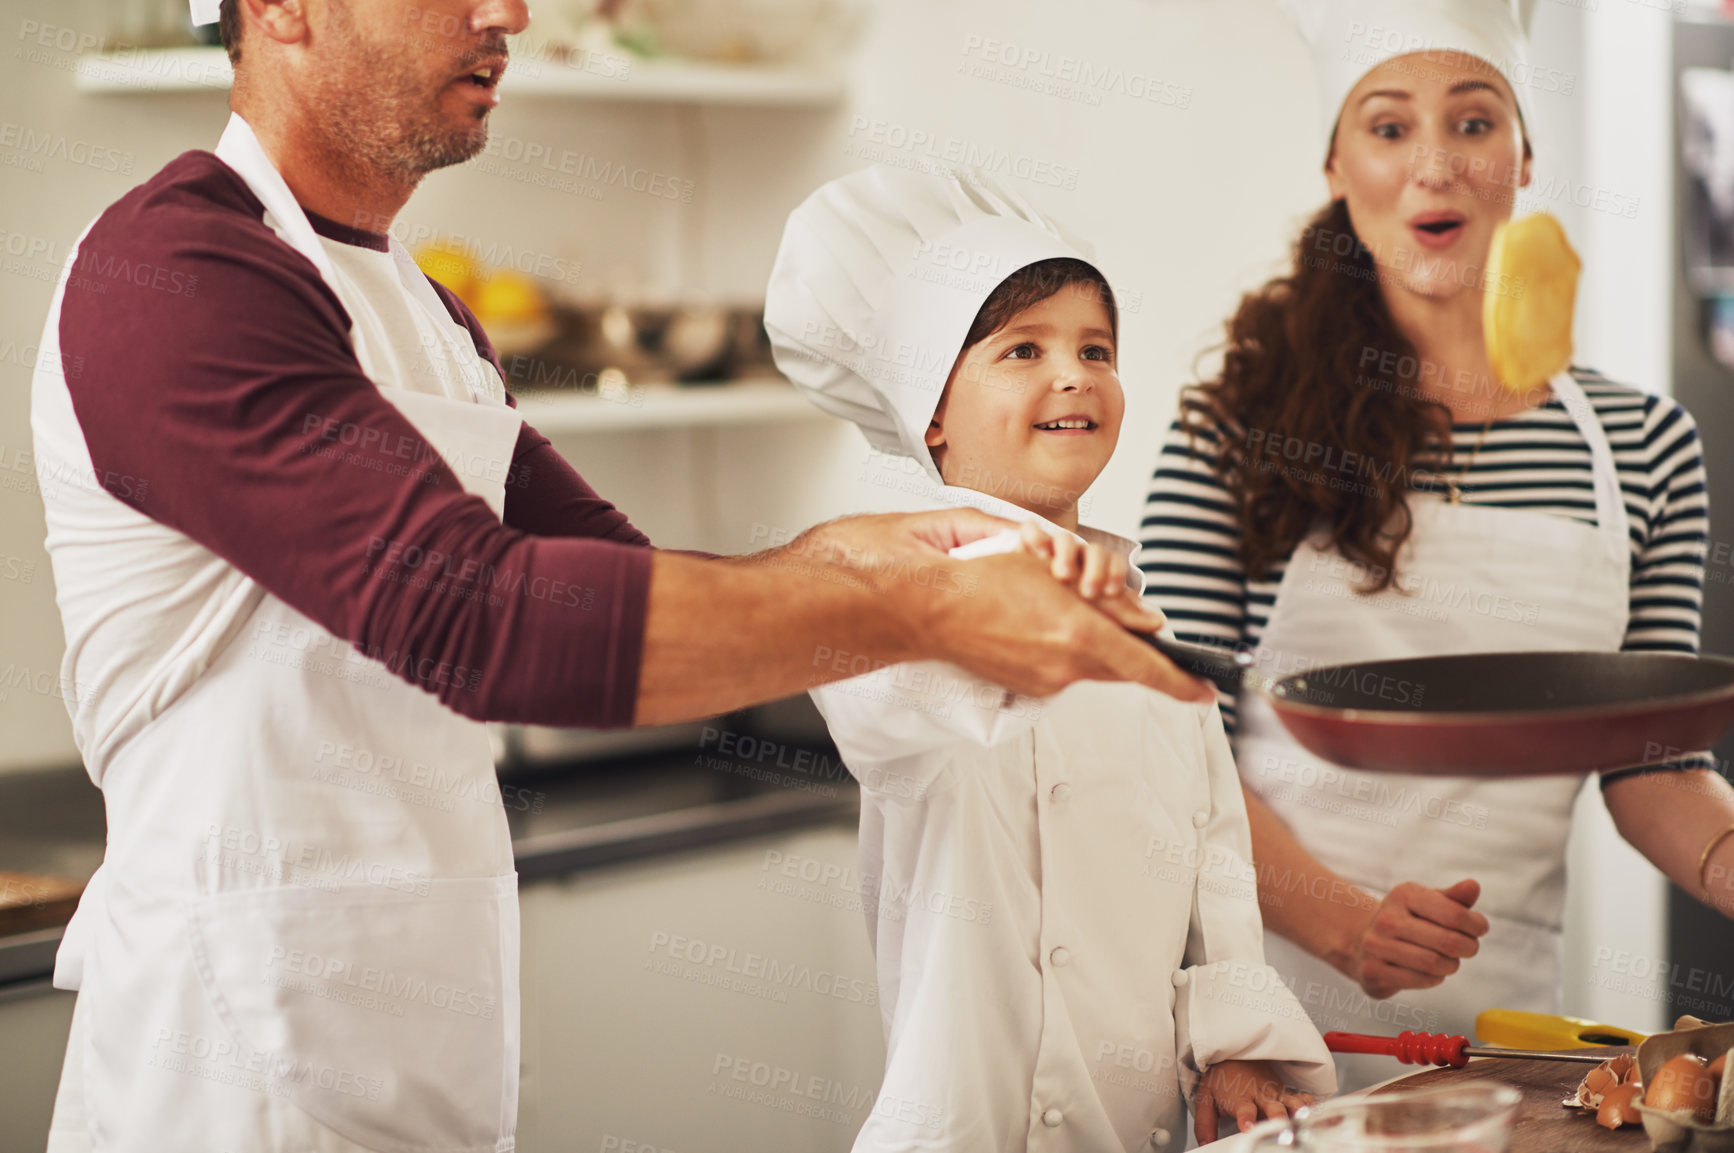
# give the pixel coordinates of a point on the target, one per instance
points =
(1004, 618)
(874, 542)
(1416, 938)
(1245, 1092)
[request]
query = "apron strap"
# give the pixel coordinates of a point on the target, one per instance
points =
(240, 149)
(1610, 501)
(409, 273)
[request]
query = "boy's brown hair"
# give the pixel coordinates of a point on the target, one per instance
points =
(1034, 283)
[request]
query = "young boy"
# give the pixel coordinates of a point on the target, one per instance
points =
(1066, 926)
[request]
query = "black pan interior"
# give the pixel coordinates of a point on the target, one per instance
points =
(1508, 682)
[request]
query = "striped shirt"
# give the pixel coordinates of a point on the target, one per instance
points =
(1535, 460)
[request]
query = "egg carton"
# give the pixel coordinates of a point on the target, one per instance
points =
(1680, 1132)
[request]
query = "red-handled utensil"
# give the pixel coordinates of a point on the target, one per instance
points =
(1413, 1048)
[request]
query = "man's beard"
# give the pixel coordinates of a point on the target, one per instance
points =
(380, 117)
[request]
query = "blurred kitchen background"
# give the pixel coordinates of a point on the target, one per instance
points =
(690, 900)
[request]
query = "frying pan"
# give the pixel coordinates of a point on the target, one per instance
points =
(1488, 714)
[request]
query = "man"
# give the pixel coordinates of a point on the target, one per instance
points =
(307, 546)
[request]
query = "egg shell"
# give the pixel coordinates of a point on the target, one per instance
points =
(1619, 1106)
(1609, 1074)
(1683, 1085)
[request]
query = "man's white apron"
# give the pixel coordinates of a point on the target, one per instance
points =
(308, 907)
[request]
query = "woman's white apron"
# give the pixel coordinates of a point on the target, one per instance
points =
(1472, 579)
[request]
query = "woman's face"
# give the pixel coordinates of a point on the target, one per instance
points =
(1032, 412)
(1429, 155)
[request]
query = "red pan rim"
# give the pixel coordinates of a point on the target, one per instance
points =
(1409, 717)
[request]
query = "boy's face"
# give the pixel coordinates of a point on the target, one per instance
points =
(1032, 413)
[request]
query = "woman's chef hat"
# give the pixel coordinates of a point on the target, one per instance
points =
(1349, 38)
(878, 278)
(205, 11)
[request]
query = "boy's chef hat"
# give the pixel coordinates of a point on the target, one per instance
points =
(1349, 38)
(878, 278)
(205, 11)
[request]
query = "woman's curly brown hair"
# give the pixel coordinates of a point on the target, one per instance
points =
(1311, 438)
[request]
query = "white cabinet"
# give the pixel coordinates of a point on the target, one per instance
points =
(717, 1000)
(33, 1028)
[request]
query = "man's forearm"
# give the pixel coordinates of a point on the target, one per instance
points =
(792, 622)
(854, 594)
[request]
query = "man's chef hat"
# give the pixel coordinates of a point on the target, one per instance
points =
(205, 11)
(878, 278)
(1349, 38)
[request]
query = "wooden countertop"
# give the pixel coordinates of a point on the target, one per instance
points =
(1543, 1124)
(29, 902)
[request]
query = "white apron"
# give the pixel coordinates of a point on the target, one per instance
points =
(305, 931)
(1477, 579)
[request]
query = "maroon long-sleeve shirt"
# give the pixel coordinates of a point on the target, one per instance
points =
(206, 347)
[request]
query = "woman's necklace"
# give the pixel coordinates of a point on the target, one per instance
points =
(1454, 488)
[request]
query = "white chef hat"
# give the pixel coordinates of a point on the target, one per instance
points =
(878, 278)
(205, 11)
(1349, 38)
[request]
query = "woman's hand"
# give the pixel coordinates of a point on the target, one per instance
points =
(1416, 938)
(1245, 1091)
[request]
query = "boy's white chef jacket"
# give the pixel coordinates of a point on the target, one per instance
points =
(1062, 904)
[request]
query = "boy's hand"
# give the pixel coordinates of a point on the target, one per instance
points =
(1095, 574)
(1244, 1091)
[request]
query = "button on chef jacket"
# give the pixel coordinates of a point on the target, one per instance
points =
(1062, 905)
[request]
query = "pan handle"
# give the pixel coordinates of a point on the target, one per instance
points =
(1226, 668)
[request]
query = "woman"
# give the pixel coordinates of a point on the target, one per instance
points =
(1357, 484)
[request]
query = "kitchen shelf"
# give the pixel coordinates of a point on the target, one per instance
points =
(680, 82)
(159, 70)
(154, 70)
(667, 406)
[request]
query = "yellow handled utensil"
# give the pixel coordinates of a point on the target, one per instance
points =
(1515, 1029)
